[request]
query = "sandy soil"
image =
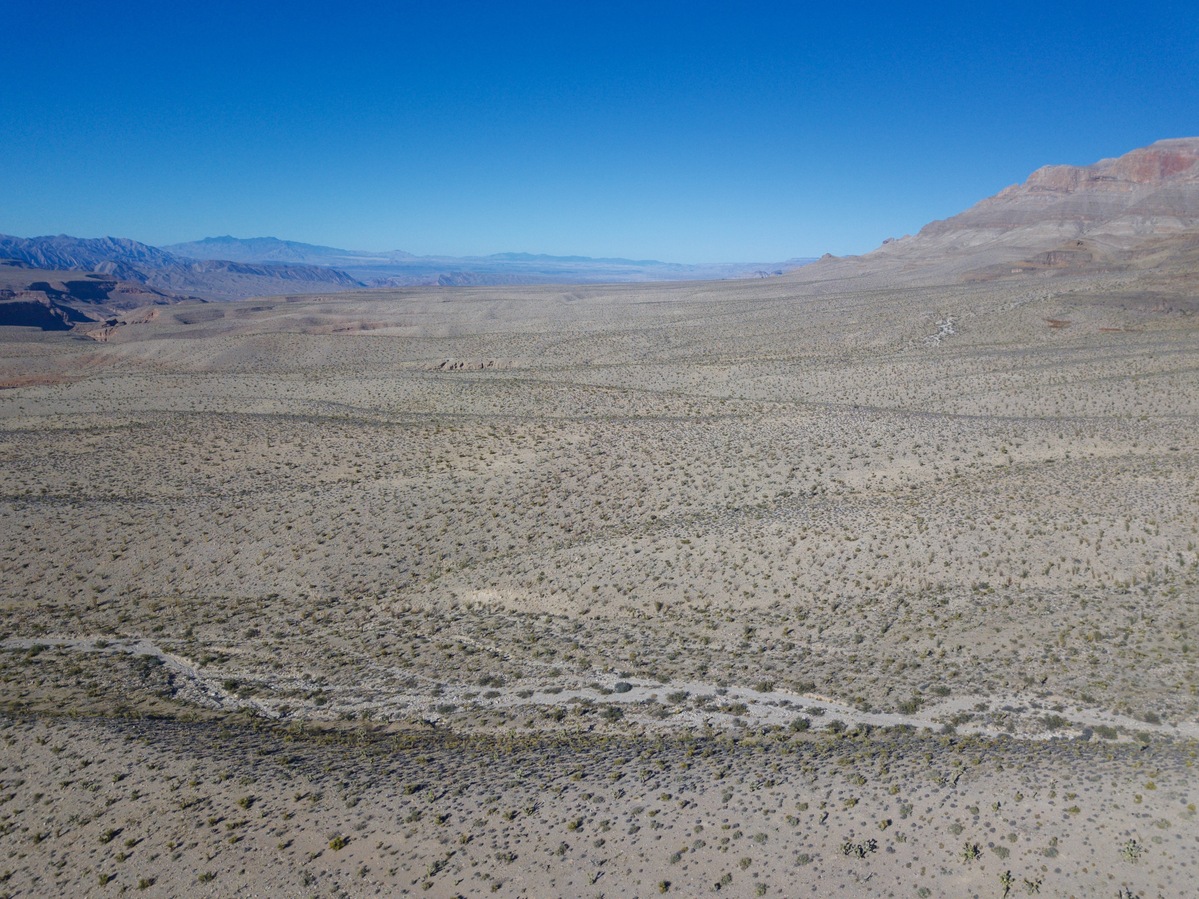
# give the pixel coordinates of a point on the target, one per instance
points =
(794, 558)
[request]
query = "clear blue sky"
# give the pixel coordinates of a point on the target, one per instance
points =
(684, 131)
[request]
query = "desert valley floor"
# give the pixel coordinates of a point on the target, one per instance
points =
(772, 587)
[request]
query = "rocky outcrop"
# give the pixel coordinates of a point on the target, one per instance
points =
(1155, 187)
(1135, 210)
(59, 301)
(30, 311)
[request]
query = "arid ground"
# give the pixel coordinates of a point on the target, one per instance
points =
(774, 587)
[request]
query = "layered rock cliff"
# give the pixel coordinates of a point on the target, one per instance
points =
(1139, 209)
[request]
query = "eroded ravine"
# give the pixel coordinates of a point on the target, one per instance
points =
(719, 706)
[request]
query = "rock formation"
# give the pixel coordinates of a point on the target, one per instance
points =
(1099, 217)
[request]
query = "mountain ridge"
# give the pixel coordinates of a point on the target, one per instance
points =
(130, 260)
(1137, 209)
(229, 268)
(398, 268)
(263, 249)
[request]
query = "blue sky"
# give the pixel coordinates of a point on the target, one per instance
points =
(678, 131)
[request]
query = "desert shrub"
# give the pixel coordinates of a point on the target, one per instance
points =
(1132, 850)
(859, 850)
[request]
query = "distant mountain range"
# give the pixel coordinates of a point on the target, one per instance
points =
(396, 268)
(226, 268)
(162, 270)
(37, 286)
(1140, 210)
(272, 249)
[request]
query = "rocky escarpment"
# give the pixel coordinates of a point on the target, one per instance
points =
(59, 301)
(1138, 210)
(30, 311)
(1155, 188)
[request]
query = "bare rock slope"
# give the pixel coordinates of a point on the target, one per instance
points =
(1145, 192)
(62, 300)
(1139, 209)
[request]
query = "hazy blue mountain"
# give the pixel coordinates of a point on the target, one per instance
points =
(543, 257)
(223, 268)
(396, 268)
(163, 270)
(118, 256)
(272, 249)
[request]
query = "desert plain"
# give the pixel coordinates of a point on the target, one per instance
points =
(797, 586)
